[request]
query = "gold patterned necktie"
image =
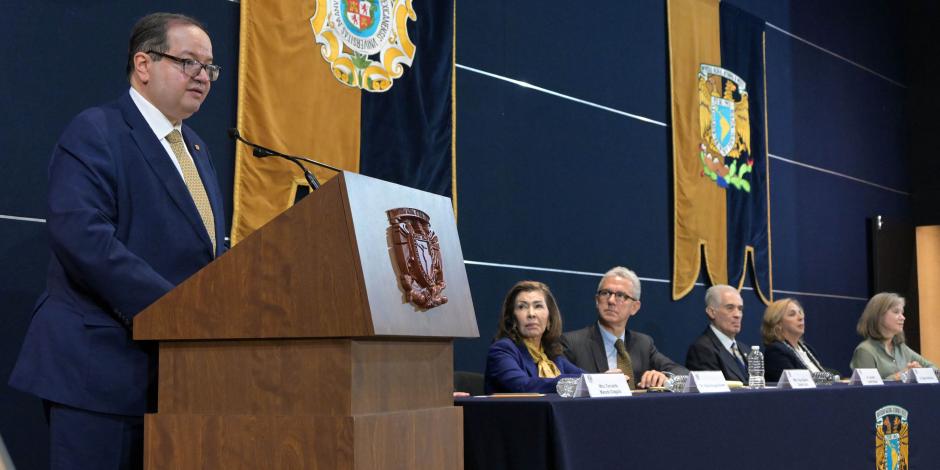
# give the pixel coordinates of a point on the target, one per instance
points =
(193, 183)
(623, 361)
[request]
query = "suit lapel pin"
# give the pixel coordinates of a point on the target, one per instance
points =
(197, 146)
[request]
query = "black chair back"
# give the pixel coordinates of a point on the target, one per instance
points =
(470, 382)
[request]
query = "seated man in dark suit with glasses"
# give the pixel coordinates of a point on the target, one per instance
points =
(608, 344)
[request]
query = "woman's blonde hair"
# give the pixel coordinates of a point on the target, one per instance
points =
(869, 324)
(773, 315)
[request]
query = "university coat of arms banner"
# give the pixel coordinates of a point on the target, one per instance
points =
(720, 173)
(363, 85)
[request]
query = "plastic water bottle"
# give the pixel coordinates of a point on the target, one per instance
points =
(755, 368)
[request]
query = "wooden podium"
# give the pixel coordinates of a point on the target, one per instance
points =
(299, 347)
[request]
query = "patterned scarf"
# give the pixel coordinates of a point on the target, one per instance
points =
(547, 368)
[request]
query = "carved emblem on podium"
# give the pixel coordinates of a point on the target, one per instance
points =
(418, 253)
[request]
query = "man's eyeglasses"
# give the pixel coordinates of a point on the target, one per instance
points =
(619, 296)
(193, 67)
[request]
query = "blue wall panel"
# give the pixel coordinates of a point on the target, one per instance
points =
(867, 32)
(819, 229)
(24, 253)
(548, 178)
(828, 113)
(571, 49)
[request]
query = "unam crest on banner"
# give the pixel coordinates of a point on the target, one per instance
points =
(725, 127)
(365, 41)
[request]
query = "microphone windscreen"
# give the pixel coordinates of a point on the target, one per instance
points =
(260, 152)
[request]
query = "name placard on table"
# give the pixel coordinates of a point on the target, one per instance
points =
(796, 378)
(708, 381)
(603, 385)
(923, 375)
(866, 377)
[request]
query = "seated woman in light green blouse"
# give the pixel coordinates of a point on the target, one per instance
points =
(882, 325)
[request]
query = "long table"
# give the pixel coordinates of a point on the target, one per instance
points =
(827, 427)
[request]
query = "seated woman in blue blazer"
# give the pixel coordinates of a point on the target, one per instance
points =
(782, 330)
(526, 355)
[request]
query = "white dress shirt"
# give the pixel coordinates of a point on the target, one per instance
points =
(160, 125)
(727, 342)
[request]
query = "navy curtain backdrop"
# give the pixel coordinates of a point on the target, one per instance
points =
(742, 51)
(563, 158)
(406, 131)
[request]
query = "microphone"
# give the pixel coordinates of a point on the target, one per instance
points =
(262, 152)
(259, 151)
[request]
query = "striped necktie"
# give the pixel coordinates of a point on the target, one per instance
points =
(193, 183)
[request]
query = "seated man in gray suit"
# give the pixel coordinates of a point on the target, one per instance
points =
(717, 348)
(608, 344)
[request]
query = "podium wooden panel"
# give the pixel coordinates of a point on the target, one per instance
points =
(297, 348)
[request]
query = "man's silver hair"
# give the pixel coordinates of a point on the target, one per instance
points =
(625, 273)
(713, 294)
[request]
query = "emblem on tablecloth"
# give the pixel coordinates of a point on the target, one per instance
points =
(892, 438)
(418, 253)
(365, 41)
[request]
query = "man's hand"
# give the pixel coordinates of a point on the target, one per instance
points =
(652, 378)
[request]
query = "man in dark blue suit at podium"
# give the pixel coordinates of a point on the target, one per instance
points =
(134, 209)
